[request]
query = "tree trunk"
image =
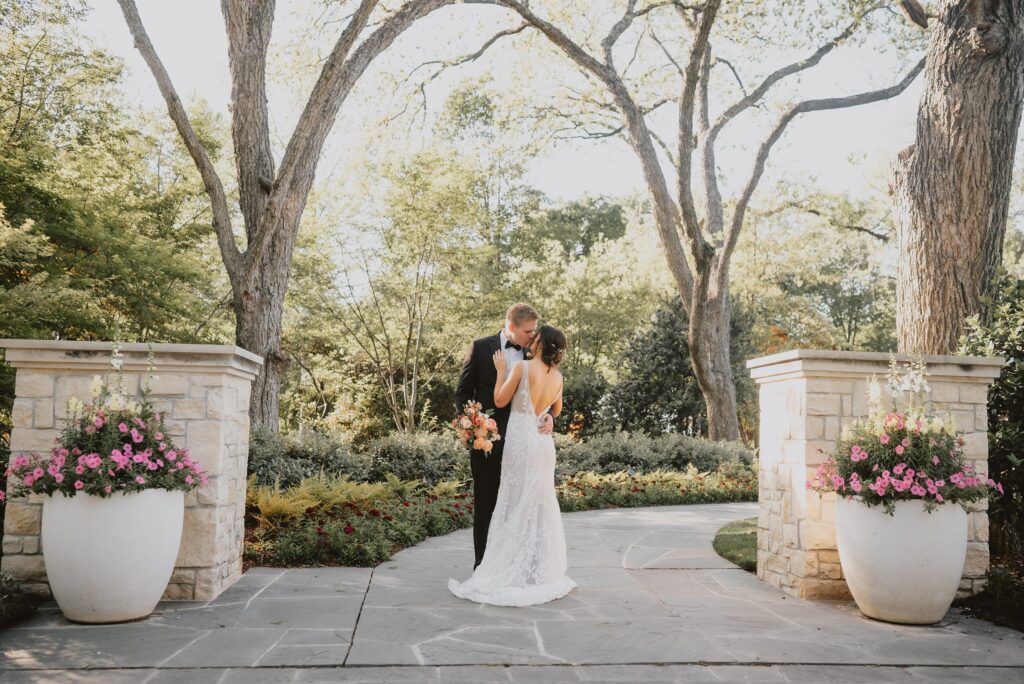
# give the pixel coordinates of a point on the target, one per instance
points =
(712, 364)
(951, 189)
(259, 309)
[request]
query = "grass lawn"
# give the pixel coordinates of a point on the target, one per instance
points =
(737, 542)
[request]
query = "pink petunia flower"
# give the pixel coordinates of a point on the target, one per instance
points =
(883, 438)
(140, 479)
(122, 427)
(79, 484)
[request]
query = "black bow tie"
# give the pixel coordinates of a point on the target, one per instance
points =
(510, 343)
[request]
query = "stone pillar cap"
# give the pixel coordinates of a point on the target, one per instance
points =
(95, 356)
(857, 364)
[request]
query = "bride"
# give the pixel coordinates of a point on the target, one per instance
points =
(525, 562)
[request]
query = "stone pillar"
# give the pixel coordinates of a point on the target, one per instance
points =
(807, 397)
(204, 392)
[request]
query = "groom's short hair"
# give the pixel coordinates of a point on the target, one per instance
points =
(520, 313)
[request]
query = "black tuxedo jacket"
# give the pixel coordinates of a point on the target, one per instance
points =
(476, 383)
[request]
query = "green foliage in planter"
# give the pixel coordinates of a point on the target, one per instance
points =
(1004, 337)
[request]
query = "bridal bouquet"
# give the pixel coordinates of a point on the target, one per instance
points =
(476, 428)
(899, 455)
(110, 444)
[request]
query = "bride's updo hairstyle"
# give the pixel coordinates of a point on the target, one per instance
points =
(552, 345)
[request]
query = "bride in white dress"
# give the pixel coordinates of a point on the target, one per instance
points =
(525, 560)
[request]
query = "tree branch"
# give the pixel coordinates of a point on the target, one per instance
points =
(666, 213)
(303, 151)
(796, 67)
(699, 247)
(801, 207)
(722, 265)
(444, 65)
(211, 181)
(248, 24)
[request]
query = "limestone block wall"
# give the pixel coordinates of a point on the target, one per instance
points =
(806, 398)
(203, 390)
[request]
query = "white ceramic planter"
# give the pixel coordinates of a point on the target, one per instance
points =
(903, 568)
(109, 560)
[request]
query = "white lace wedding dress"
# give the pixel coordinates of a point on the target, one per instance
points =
(525, 561)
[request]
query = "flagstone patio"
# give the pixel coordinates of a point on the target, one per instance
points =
(655, 604)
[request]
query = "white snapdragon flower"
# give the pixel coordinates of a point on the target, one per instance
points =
(75, 407)
(96, 388)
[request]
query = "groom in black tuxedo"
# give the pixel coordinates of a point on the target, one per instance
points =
(476, 383)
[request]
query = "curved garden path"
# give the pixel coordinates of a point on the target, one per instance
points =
(655, 603)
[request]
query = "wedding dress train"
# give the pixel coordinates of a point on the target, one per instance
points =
(525, 560)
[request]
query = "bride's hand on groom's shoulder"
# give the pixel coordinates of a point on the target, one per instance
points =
(499, 362)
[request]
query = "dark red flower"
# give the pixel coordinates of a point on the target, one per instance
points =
(348, 529)
(374, 512)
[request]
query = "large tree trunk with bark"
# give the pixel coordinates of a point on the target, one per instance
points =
(951, 189)
(709, 342)
(259, 310)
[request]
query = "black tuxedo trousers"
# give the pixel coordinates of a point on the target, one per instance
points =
(476, 383)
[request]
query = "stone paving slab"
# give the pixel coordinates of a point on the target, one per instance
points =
(654, 603)
(550, 674)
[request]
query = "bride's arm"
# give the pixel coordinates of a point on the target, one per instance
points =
(503, 392)
(556, 408)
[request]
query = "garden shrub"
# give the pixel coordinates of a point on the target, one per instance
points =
(636, 452)
(1004, 337)
(285, 461)
(427, 456)
(15, 604)
(290, 458)
(336, 521)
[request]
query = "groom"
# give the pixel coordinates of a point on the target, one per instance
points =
(476, 383)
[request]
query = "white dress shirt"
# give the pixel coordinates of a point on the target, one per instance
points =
(510, 353)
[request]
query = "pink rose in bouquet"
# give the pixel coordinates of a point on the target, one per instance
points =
(476, 428)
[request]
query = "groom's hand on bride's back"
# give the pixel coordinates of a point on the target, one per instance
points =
(546, 425)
